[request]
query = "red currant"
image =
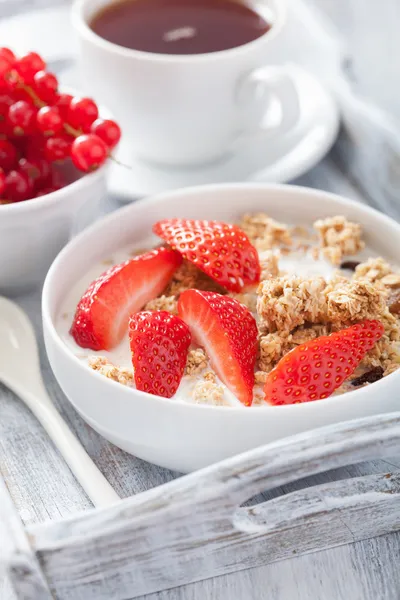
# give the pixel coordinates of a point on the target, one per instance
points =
(12, 80)
(49, 121)
(44, 170)
(58, 148)
(46, 85)
(8, 155)
(37, 170)
(2, 182)
(82, 112)
(28, 65)
(5, 102)
(45, 191)
(18, 186)
(88, 152)
(63, 101)
(5, 68)
(28, 167)
(57, 179)
(20, 94)
(107, 130)
(7, 53)
(35, 147)
(22, 118)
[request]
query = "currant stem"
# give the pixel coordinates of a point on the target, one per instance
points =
(39, 104)
(119, 163)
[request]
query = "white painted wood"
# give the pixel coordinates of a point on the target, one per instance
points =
(362, 571)
(190, 529)
(17, 561)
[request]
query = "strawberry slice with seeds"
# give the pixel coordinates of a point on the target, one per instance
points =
(222, 251)
(159, 345)
(102, 315)
(228, 332)
(313, 371)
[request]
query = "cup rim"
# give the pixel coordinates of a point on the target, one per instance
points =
(82, 27)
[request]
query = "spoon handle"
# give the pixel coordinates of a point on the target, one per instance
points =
(91, 479)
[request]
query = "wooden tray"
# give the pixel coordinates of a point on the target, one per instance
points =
(193, 528)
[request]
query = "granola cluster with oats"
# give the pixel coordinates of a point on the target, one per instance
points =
(207, 391)
(186, 277)
(286, 302)
(189, 276)
(197, 361)
(264, 232)
(293, 308)
(168, 303)
(338, 237)
(111, 371)
(377, 270)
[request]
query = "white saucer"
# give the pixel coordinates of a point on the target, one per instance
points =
(261, 159)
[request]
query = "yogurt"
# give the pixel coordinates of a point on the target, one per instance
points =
(300, 262)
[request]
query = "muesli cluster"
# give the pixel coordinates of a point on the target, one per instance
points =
(350, 313)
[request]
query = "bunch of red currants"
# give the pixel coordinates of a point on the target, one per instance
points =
(40, 127)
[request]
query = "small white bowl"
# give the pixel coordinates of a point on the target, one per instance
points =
(34, 231)
(185, 436)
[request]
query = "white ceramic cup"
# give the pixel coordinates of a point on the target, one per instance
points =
(189, 109)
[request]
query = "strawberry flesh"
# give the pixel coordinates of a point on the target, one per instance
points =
(228, 332)
(159, 345)
(223, 251)
(313, 371)
(102, 315)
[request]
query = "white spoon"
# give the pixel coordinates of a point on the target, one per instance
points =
(20, 371)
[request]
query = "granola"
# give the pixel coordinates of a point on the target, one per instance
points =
(208, 392)
(197, 361)
(378, 270)
(274, 346)
(111, 371)
(355, 301)
(264, 232)
(188, 276)
(338, 237)
(292, 307)
(269, 265)
(287, 302)
(168, 303)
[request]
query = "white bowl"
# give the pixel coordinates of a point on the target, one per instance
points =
(184, 436)
(34, 231)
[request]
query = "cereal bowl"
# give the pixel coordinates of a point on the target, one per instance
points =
(180, 435)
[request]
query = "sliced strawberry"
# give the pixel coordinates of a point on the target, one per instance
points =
(222, 251)
(314, 370)
(159, 345)
(102, 315)
(228, 332)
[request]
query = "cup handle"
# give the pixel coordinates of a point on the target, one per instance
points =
(257, 88)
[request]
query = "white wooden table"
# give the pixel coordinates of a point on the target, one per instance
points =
(42, 486)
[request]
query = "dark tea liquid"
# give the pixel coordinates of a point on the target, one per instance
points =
(179, 26)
